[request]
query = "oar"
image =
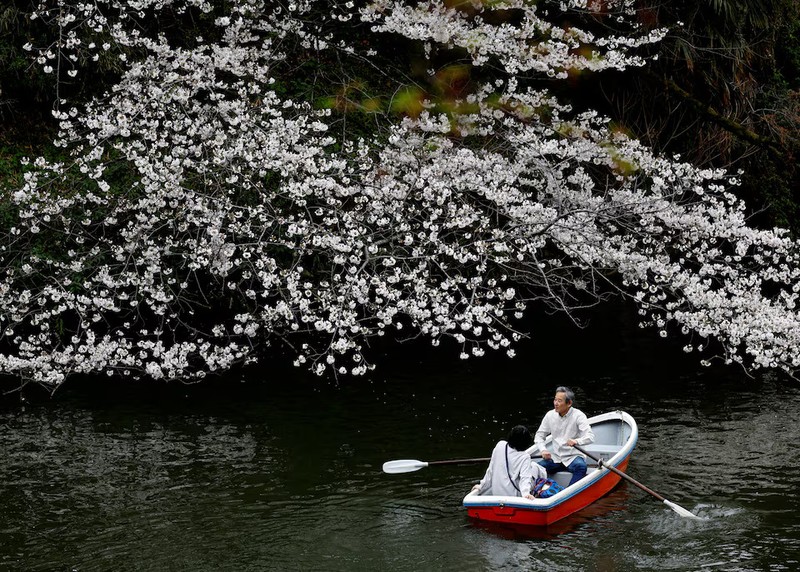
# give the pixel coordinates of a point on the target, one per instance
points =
(677, 508)
(409, 465)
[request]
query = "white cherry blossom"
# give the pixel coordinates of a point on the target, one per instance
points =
(208, 214)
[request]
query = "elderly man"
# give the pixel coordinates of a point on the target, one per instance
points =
(568, 426)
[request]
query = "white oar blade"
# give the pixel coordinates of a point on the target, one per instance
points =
(681, 511)
(403, 466)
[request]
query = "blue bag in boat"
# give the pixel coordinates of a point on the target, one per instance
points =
(545, 488)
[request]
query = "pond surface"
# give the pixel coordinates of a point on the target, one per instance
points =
(276, 471)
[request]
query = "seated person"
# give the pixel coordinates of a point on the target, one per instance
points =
(568, 426)
(511, 471)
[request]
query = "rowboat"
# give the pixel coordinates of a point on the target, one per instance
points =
(615, 437)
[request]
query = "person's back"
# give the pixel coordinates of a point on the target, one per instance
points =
(511, 471)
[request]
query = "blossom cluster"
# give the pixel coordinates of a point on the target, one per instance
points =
(528, 42)
(204, 213)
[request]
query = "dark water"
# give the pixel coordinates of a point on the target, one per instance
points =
(275, 471)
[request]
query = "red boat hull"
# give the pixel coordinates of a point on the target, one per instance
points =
(543, 517)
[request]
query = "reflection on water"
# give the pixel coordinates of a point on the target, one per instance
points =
(284, 474)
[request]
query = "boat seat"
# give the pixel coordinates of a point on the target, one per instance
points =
(564, 477)
(602, 450)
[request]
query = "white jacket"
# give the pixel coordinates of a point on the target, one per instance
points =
(573, 425)
(520, 468)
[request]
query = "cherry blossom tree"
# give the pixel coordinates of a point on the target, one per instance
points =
(207, 207)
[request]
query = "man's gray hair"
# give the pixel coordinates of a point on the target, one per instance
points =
(568, 393)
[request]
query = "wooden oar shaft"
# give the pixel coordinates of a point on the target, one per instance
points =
(411, 465)
(620, 473)
(458, 461)
(477, 460)
(632, 481)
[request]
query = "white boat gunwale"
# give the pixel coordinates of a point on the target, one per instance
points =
(474, 500)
